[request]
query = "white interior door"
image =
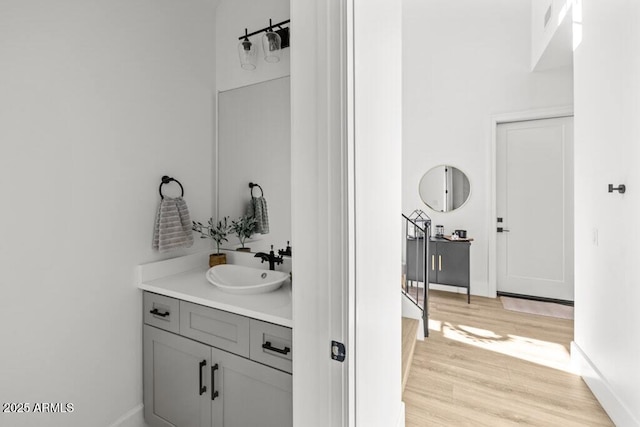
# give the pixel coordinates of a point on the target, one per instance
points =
(535, 208)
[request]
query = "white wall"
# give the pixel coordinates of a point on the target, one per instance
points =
(464, 61)
(551, 44)
(99, 100)
(232, 17)
(377, 164)
(607, 130)
(320, 230)
(344, 210)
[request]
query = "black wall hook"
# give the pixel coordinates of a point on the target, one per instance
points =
(620, 188)
(167, 179)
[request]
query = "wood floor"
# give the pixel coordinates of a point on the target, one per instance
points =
(486, 366)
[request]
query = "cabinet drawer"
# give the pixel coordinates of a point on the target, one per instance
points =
(161, 312)
(271, 345)
(218, 328)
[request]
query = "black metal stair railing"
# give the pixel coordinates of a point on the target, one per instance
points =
(415, 278)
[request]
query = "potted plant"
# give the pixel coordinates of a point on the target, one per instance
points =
(218, 233)
(243, 228)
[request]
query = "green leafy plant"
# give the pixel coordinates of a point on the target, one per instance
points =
(218, 232)
(243, 227)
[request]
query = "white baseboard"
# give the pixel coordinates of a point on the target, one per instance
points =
(602, 390)
(401, 420)
(133, 418)
(447, 288)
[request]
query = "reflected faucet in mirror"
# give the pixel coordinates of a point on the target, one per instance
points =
(270, 257)
(286, 251)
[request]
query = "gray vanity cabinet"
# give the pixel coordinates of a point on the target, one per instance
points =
(172, 375)
(190, 383)
(250, 394)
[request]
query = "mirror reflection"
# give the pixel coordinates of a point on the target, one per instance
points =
(254, 146)
(444, 188)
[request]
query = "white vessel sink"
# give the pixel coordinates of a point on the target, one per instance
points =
(238, 279)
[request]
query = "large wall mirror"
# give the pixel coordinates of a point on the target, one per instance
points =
(254, 145)
(444, 188)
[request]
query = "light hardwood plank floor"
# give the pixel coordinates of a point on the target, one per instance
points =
(486, 366)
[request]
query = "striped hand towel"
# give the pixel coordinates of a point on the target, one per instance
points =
(173, 225)
(258, 210)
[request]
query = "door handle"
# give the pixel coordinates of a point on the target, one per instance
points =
(439, 262)
(203, 388)
(503, 230)
(214, 393)
(433, 262)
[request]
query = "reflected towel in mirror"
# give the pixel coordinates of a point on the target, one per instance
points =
(258, 210)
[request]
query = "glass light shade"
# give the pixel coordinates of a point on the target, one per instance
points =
(247, 54)
(271, 46)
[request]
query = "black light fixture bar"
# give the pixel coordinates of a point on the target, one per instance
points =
(265, 29)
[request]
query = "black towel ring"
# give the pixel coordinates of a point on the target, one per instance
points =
(251, 185)
(165, 180)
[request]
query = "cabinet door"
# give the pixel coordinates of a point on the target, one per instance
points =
(250, 394)
(452, 263)
(433, 265)
(172, 378)
(415, 259)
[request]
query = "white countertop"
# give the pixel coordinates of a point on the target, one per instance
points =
(184, 278)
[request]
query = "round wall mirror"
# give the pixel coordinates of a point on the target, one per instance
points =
(444, 188)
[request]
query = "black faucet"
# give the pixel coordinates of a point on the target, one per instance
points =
(271, 257)
(286, 252)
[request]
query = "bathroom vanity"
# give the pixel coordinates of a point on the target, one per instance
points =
(210, 358)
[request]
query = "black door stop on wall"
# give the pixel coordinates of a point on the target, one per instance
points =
(620, 188)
